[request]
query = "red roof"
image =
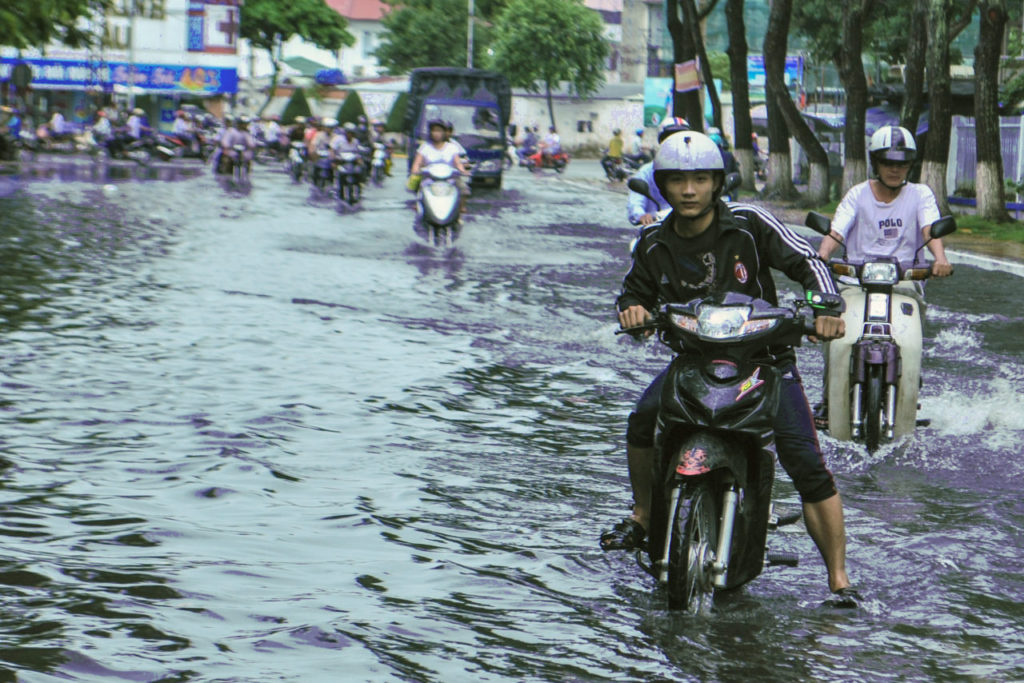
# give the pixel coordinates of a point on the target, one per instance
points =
(359, 10)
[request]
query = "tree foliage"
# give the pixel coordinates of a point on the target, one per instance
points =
(34, 23)
(540, 44)
(268, 23)
(351, 108)
(434, 33)
(297, 105)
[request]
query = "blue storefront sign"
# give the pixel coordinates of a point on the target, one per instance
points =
(794, 70)
(166, 78)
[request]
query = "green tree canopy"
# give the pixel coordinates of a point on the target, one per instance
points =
(34, 23)
(396, 118)
(351, 108)
(298, 105)
(434, 33)
(573, 42)
(268, 23)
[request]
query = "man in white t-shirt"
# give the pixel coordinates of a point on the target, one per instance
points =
(886, 215)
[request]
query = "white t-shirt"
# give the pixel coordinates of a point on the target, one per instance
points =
(873, 228)
(432, 155)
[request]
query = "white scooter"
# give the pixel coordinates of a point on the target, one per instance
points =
(438, 203)
(873, 374)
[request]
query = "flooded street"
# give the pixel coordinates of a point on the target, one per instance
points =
(250, 436)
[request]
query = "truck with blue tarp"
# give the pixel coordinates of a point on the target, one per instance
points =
(477, 102)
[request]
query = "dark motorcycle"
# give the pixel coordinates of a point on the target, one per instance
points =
(322, 172)
(711, 506)
(874, 371)
(296, 160)
(237, 163)
(614, 169)
(349, 171)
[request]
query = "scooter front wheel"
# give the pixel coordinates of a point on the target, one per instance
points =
(873, 406)
(691, 550)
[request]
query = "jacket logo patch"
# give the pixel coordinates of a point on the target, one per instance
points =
(740, 271)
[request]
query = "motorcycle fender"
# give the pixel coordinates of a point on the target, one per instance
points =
(906, 331)
(702, 452)
(839, 353)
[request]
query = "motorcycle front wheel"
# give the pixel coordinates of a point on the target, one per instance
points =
(873, 392)
(693, 543)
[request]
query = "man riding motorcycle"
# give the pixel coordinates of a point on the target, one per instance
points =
(886, 216)
(703, 247)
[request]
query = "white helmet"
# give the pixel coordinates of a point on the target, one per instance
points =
(892, 143)
(688, 151)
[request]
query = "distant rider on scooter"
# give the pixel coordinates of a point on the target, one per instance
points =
(438, 149)
(642, 210)
(705, 247)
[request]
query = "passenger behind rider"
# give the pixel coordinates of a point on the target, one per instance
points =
(238, 135)
(731, 165)
(642, 210)
(705, 246)
(184, 130)
(637, 151)
(549, 147)
(438, 149)
(346, 141)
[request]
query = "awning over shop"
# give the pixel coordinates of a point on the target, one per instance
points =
(158, 78)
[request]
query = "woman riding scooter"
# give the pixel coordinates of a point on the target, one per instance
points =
(439, 150)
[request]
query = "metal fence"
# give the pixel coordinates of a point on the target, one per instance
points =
(963, 151)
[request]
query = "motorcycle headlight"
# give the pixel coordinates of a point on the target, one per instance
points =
(724, 322)
(879, 273)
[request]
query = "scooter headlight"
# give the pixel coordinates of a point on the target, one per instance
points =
(441, 189)
(879, 273)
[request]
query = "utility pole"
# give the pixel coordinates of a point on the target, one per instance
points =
(469, 38)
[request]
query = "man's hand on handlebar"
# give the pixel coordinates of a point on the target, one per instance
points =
(635, 316)
(828, 327)
(941, 269)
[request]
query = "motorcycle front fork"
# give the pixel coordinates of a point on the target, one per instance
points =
(888, 419)
(727, 524)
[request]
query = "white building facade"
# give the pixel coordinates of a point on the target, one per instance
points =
(159, 51)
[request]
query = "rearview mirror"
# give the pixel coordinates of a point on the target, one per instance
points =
(942, 227)
(640, 187)
(819, 223)
(732, 181)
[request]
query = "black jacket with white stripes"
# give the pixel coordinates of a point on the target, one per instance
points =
(749, 241)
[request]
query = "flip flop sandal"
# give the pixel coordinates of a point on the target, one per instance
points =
(626, 535)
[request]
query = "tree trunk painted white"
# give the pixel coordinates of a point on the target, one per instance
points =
(745, 158)
(854, 173)
(933, 174)
(988, 191)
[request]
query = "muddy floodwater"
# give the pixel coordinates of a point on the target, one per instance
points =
(250, 435)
